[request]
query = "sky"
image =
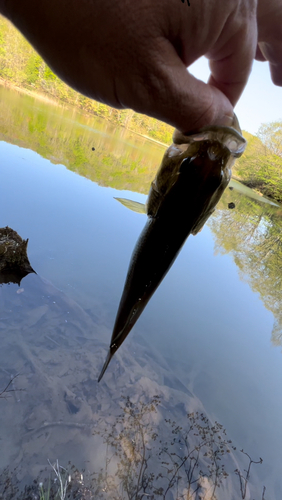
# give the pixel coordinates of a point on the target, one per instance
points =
(261, 101)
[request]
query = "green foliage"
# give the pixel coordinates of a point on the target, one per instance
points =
(259, 168)
(48, 74)
(2, 48)
(21, 65)
(121, 160)
(80, 157)
(33, 68)
(270, 135)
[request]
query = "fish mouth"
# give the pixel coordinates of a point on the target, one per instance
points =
(229, 137)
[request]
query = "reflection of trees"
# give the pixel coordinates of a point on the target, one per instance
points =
(129, 163)
(21, 65)
(252, 233)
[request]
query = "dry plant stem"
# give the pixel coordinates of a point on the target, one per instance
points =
(6, 390)
(63, 487)
(244, 479)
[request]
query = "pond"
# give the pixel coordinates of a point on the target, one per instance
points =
(201, 368)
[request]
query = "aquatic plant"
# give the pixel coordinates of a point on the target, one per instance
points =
(191, 461)
(62, 480)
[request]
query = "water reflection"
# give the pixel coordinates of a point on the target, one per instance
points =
(69, 138)
(252, 235)
(202, 344)
(183, 195)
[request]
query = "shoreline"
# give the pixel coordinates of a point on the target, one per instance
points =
(61, 104)
(259, 193)
(38, 95)
(57, 102)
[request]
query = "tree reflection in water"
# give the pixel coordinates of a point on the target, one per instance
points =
(252, 234)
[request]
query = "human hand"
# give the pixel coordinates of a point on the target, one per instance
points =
(269, 18)
(134, 54)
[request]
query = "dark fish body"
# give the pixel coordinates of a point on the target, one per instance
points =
(187, 187)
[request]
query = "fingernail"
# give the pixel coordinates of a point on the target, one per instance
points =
(225, 121)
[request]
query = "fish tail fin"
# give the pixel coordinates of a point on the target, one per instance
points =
(108, 359)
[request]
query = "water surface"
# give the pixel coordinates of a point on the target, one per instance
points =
(209, 341)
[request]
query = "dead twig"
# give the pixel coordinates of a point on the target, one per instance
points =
(6, 390)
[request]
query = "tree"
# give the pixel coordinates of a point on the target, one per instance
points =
(271, 136)
(260, 167)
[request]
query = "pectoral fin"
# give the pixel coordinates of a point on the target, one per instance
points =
(132, 205)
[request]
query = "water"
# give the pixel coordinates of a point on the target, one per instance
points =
(209, 341)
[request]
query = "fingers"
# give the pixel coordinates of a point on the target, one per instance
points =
(231, 55)
(178, 98)
(272, 52)
(276, 73)
(231, 66)
(269, 19)
(259, 55)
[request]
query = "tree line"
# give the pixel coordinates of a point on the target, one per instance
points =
(259, 168)
(110, 157)
(23, 67)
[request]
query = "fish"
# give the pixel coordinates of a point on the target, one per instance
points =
(189, 183)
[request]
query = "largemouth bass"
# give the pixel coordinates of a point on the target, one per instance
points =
(193, 175)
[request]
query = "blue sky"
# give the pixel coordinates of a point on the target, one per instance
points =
(261, 101)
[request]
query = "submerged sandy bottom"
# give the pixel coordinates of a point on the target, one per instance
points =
(130, 429)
